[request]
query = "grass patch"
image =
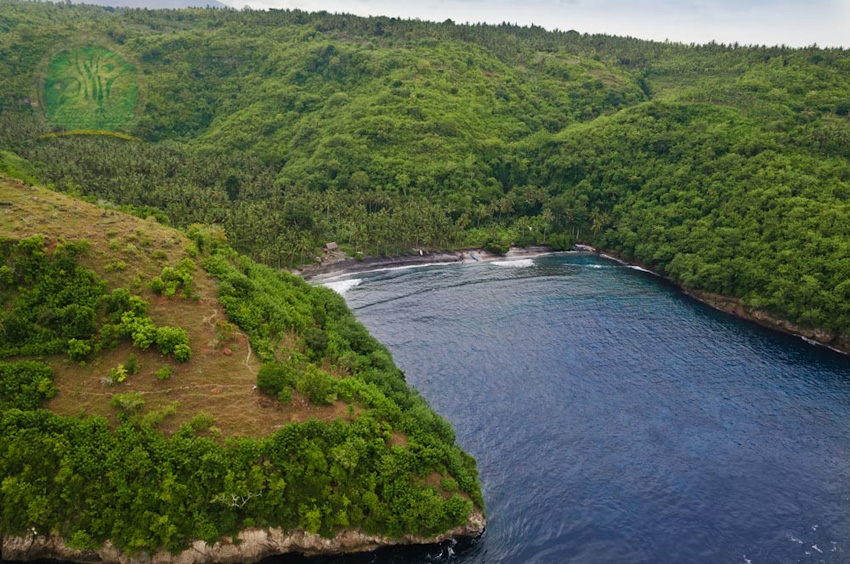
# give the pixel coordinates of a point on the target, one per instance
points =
(221, 375)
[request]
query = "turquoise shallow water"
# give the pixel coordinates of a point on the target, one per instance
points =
(616, 420)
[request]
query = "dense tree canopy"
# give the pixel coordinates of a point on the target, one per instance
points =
(722, 166)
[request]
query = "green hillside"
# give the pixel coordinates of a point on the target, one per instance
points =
(723, 167)
(158, 388)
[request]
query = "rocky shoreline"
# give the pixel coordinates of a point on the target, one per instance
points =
(251, 545)
(832, 340)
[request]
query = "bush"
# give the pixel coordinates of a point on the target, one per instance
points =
(317, 385)
(154, 418)
(561, 242)
(173, 278)
(128, 404)
(285, 395)
(316, 342)
(164, 373)
(273, 377)
(201, 421)
(157, 285)
(168, 338)
(23, 385)
(7, 278)
(496, 246)
(78, 349)
(117, 375)
(182, 353)
(449, 484)
(110, 336)
(141, 329)
(132, 365)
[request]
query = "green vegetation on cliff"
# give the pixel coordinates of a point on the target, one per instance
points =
(106, 412)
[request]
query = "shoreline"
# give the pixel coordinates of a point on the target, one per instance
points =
(350, 266)
(831, 340)
(249, 546)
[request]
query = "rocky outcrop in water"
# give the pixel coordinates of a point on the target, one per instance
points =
(251, 545)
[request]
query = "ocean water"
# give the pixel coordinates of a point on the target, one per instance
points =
(616, 420)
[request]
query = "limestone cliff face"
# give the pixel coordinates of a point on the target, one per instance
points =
(251, 545)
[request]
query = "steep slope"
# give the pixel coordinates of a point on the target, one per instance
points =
(164, 423)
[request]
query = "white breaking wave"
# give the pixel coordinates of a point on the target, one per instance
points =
(408, 267)
(792, 538)
(342, 286)
(633, 267)
(521, 263)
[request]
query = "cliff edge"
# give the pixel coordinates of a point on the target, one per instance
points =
(251, 545)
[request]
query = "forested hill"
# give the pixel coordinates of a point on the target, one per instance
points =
(157, 389)
(724, 167)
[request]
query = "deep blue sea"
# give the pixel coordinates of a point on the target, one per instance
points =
(616, 420)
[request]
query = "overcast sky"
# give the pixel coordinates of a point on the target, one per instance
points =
(770, 22)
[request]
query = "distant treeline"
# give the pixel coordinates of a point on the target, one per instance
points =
(724, 167)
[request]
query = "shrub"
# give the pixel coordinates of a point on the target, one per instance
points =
(317, 385)
(7, 277)
(496, 246)
(285, 395)
(23, 385)
(182, 353)
(225, 331)
(128, 404)
(78, 349)
(316, 342)
(168, 338)
(173, 278)
(201, 421)
(449, 484)
(561, 242)
(132, 365)
(117, 375)
(157, 285)
(164, 373)
(141, 329)
(154, 418)
(273, 377)
(110, 335)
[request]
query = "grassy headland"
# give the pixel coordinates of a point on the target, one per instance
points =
(158, 388)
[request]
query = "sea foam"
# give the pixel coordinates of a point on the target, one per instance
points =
(521, 263)
(342, 286)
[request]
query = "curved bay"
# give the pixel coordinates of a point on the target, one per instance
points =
(616, 420)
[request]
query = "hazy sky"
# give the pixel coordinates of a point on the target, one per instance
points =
(792, 22)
